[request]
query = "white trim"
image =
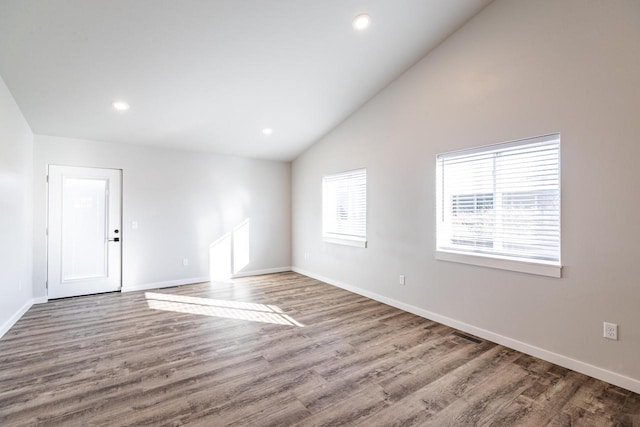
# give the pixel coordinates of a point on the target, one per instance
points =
(16, 316)
(193, 280)
(260, 272)
(40, 300)
(500, 263)
(620, 380)
(167, 284)
(358, 242)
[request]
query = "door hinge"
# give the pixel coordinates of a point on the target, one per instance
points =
(46, 231)
(46, 285)
(47, 179)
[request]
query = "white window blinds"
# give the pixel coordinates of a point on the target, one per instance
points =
(344, 205)
(501, 200)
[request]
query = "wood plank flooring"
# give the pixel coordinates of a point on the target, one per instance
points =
(277, 350)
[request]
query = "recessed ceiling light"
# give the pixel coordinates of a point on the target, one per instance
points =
(267, 131)
(120, 105)
(361, 22)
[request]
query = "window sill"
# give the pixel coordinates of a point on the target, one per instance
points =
(548, 270)
(360, 243)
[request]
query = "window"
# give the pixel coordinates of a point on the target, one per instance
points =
(344, 208)
(499, 205)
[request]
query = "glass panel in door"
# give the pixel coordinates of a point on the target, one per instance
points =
(84, 228)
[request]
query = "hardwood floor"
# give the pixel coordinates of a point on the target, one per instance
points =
(277, 350)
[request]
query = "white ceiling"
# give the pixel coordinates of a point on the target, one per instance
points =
(211, 74)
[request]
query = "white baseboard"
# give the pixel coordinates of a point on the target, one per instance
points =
(180, 282)
(559, 359)
(16, 316)
(167, 284)
(260, 272)
(40, 300)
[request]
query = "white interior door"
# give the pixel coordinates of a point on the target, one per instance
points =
(84, 231)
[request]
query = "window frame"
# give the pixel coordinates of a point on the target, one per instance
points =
(332, 236)
(499, 261)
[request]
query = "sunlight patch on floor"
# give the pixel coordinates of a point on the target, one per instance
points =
(220, 308)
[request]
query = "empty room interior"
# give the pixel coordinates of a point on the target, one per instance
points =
(313, 213)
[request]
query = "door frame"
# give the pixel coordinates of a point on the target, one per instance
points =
(47, 210)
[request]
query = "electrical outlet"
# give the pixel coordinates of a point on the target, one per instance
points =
(610, 331)
(306, 255)
(401, 280)
(134, 225)
(185, 261)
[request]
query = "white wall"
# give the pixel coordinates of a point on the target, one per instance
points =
(520, 68)
(16, 160)
(183, 201)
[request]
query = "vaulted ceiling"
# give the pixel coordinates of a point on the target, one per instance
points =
(211, 74)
